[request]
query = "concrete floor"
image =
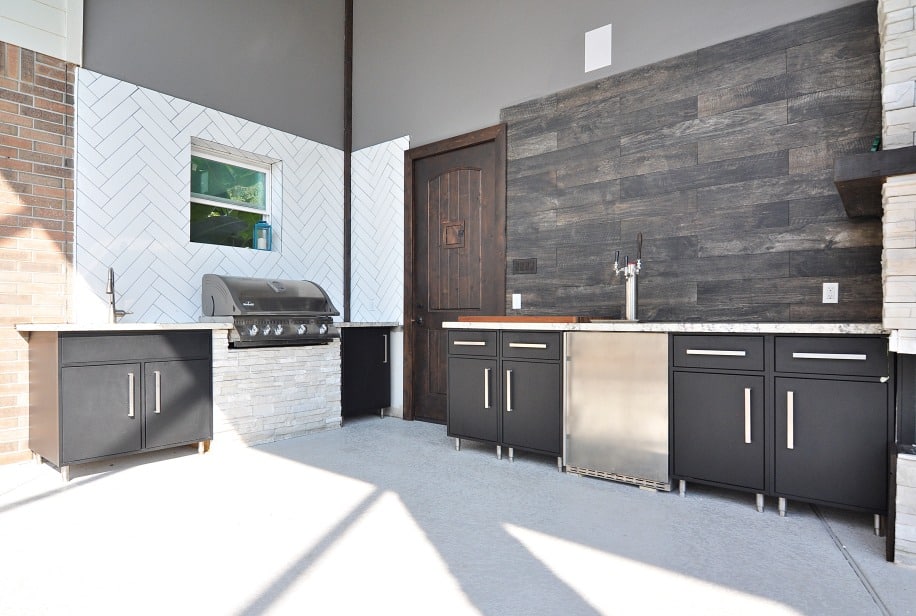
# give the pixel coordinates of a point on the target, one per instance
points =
(384, 516)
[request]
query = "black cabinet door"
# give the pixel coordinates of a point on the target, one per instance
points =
(531, 406)
(714, 417)
(366, 381)
(473, 404)
(831, 441)
(177, 402)
(100, 411)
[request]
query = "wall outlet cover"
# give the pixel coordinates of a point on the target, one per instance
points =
(516, 301)
(831, 293)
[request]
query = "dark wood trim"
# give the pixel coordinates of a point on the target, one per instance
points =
(495, 133)
(347, 153)
(859, 178)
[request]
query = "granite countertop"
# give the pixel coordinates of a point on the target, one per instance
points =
(367, 324)
(117, 327)
(687, 328)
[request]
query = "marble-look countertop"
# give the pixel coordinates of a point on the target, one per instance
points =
(367, 324)
(679, 328)
(117, 327)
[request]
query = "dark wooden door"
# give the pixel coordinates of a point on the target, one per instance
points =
(456, 254)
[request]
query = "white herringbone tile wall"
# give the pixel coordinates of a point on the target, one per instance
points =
(377, 232)
(132, 204)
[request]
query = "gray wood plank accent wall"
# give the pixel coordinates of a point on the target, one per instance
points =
(723, 159)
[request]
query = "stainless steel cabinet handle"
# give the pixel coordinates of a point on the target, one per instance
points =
(790, 420)
(716, 352)
(385, 359)
(508, 391)
(844, 356)
(158, 391)
(486, 388)
(130, 394)
(747, 414)
(527, 345)
(469, 343)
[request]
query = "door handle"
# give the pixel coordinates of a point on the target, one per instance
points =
(486, 388)
(508, 391)
(158, 407)
(747, 414)
(790, 420)
(418, 320)
(130, 394)
(385, 359)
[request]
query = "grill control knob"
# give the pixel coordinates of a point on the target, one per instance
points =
(253, 330)
(323, 328)
(278, 329)
(302, 329)
(265, 329)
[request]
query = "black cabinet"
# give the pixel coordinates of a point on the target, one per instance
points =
(366, 371)
(718, 427)
(810, 419)
(472, 392)
(505, 388)
(94, 395)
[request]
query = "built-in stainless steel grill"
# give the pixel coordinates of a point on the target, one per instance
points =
(268, 312)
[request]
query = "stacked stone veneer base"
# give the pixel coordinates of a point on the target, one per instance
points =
(270, 394)
(905, 529)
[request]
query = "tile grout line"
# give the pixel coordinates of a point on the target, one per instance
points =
(852, 563)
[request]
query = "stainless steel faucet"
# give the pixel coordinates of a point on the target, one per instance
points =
(114, 315)
(630, 272)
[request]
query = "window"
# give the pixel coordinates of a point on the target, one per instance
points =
(229, 195)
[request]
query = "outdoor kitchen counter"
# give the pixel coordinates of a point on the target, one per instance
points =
(116, 327)
(687, 328)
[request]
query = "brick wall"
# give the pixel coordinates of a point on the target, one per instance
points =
(36, 219)
(270, 394)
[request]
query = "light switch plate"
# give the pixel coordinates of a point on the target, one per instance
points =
(516, 301)
(598, 48)
(831, 293)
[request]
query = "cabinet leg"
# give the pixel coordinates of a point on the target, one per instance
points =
(457, 444)
(381, 413)
(760, 503)
(65, 473)
(682, 488)
(499, 452)
(560, 463)
(877, 525)
(511, 454)
(203, 447)
(782, 507)
(36, 458)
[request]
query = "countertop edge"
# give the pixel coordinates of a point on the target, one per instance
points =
(118, 327)
(687, 328)
(391, 325)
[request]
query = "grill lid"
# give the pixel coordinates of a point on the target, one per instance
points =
(238, 296)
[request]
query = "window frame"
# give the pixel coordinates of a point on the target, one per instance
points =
(239, 161)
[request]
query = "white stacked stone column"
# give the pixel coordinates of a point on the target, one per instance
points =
(897, 29)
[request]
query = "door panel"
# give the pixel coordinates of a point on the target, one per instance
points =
(457, 245)
(183, 403)
(837, 431)
(534, 419)
(712, 423)
(101, 412)
(473, 407)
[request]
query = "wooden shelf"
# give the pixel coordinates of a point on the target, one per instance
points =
(859, 177)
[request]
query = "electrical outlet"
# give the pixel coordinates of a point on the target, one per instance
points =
(831, 293)
(516, 301)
